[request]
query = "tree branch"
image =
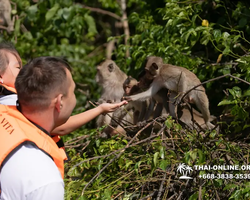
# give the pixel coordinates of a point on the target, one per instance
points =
(98, 10)
(3, 27)
(125, 25)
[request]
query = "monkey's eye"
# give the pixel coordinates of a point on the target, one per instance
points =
(111, 67)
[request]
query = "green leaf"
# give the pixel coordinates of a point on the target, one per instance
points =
(137, 166)
(193, 154)
(156, 159)
(246, 190)
(246, 93)
(107, 193)
(83, 197)
(202, 157)
(162, 152)
(32, 11)
(67, 13)
(91, 23)
(226, 51)
(17, 27)
(243, 22)
(169, 123)
(217, 34)
(225, 35)
(204, 40)
(230, 186)
(226, 102)
(50, 14)
(128, 163)
(213, 134)
(164, 164)
(235, 91)
(194, 196)
(236, 195)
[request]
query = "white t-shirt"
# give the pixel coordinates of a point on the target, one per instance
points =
(8, 99)
(30, 174)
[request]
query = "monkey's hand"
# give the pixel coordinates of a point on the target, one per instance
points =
(108, 107)
(127, 98)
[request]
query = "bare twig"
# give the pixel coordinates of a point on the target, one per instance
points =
(216, 193)
(99, 10)
(200, 190)
(148, 197)
(161, 186)
(116, 151)
(125, 26)
(77, 139)
(4, 27)
(179, 197)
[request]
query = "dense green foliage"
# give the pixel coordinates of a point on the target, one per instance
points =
(211, 38)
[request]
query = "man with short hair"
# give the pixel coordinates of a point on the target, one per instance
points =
(31, 164)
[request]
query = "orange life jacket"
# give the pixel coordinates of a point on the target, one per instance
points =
(16, 130)
(9, 90)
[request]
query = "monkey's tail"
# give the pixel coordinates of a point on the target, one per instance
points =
(202, 103)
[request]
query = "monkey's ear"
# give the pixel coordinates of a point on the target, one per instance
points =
(111, 67)
(155, 66)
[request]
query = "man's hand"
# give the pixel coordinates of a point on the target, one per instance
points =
(108, 107)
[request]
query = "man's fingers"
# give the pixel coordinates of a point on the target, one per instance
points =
(123, 103)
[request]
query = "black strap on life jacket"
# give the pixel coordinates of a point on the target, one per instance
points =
(4, 91)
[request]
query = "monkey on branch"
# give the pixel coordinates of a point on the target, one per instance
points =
(176, 79)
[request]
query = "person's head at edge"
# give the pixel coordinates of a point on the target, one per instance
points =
(10, 64)
(45, 91)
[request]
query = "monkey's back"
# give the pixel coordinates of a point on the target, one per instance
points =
(174, 73)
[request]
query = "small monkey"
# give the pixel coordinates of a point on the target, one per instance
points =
(5, 15)
(174, 78)
(131, 87)
(110, 78)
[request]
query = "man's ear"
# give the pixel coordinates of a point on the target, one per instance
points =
(59, 102)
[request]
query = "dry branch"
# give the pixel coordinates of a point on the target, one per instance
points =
(99, 10)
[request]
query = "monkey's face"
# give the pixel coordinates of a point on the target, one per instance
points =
(130, 86)
(127, 89)
(105, 71)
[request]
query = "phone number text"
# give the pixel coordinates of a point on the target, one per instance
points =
(225, 176)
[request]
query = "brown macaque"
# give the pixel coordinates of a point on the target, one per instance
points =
(110, 78)
(130, 87)
(188, 116)
(183, 114)
(5, 15)
(176, 79)
(160, 99)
